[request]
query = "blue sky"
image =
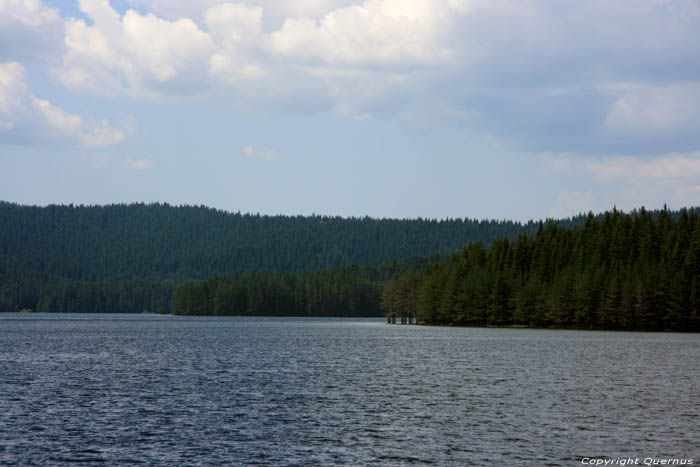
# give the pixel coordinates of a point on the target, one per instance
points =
(387, 108)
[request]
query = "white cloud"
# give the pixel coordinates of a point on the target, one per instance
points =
(101, 133)
(671, 167)
(377, 33)
(235, 29)
(587, 77)
(637, 180)
(667, 168)
(267, 153)
(294, 68)
(100, 161)
(31, 13)
(556, 163)
(12, 86)
(26, 118)
(571, 203)
(650, 108)
(30, 30)
(138, 54)
(276, 11)
(138, 164)
(234, 23)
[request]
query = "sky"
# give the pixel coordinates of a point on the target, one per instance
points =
(487, 109)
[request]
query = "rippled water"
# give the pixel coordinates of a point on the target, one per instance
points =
(163, 390)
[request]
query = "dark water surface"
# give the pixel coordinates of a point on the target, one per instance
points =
(163, 390)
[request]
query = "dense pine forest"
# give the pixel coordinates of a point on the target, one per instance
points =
(611, 271)
(353, 291)
(129, 258)
(147, 241)
(631, 272)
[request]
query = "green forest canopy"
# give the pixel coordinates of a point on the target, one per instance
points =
(130, 258)
(159, 241)
(632, 272)
(613, 271)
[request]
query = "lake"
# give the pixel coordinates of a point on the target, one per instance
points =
(166, 390)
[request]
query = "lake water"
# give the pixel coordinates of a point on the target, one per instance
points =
(164, 390)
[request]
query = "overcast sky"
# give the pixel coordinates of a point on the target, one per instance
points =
(387, 108)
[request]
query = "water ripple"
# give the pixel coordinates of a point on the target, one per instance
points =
(205, 391)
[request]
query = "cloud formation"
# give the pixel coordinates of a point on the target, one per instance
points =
(672, 178)
(252, 153)
(30, 30)
(591, 77)
(26, 118)
(674, 167)
(138, 164)
(134, 53)
(385, 34)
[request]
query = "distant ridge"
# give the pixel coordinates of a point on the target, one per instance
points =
(131, 257)
(146, 241)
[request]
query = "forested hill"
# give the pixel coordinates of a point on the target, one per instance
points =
(131, 258)
(632, 272)
(159, 241)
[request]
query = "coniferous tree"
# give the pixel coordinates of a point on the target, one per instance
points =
(635, 271)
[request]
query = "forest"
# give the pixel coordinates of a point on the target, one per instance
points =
(638, 271)
(130, 258)
(159, 241)
(353, 291)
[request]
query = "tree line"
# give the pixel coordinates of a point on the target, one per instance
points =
(22, 290)
(611, 271)
(131, 257)
(637, 271)
(349, 291)
(159, 241)
(353, 291)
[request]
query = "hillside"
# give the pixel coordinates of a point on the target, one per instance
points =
(159, 241)
(131, 258)
(629, 272)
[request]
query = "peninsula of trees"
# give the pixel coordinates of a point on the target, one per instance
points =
(632, 272)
